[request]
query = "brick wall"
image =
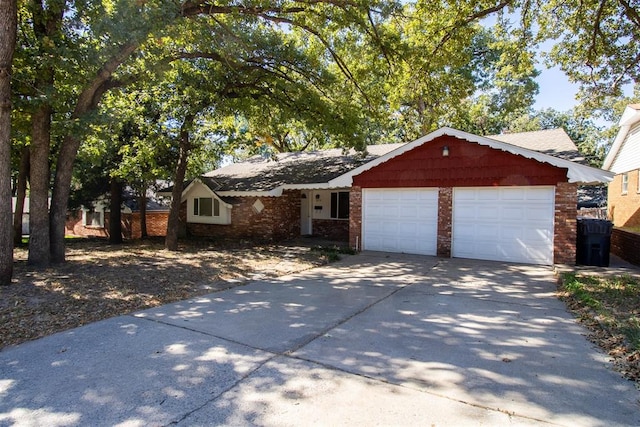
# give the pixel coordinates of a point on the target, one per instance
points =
(332, 229)
(445, 203)
(564, 241)
(156, 224)
(74, 227)
(279, 220)
(624, 209)
(626, 245)
(355, 218)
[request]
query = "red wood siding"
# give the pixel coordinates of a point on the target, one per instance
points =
(468, 165)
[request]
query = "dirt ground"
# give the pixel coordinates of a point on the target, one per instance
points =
(99, 280)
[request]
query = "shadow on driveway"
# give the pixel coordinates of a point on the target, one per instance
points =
(373, 339)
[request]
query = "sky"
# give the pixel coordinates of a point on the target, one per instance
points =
(555, 90)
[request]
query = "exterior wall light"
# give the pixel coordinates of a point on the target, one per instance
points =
(445, 151)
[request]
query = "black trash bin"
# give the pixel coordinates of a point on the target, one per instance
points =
(594, 242)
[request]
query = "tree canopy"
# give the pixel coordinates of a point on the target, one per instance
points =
(146, 80)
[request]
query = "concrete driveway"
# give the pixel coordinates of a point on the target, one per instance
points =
(375, 339)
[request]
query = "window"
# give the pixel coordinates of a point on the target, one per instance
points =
(340, 205)
(92, 218)
(206, 206)
(625, 183)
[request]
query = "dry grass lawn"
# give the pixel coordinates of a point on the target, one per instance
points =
(99, 280)
(610, 308)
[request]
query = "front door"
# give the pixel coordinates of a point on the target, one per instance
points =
(305, 213)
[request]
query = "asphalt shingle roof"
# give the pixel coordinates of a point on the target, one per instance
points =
(314, 167)
(554, 142)
(264, 174)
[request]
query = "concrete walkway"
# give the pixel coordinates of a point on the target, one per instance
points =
(375, 339)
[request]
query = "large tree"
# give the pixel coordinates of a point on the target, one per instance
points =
(97, 45)
(8, 23)
(416, 60)
(454, 71)
(595, 42)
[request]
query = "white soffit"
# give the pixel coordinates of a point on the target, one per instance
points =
(630, 117)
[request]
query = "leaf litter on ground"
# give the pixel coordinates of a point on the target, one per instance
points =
(609, 306)
(100, 281)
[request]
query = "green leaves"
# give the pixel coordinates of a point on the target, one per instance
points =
(596, 43)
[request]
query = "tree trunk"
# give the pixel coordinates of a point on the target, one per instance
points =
(115, 214)
(173, 222)
(60, 197)
(47, 23)
(87, 101)
(8, 24)
(39, 180)
(142, 207)
(21, 194)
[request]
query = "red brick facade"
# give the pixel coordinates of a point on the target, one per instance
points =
(355, 218)
(565, 225)
(74, 227)
(156, 225)
(278, 220)
(332, 229)
(624, 207)
(445, 207)
(468, 165)
(626, 244)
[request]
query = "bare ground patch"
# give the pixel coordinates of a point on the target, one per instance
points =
(99, 281)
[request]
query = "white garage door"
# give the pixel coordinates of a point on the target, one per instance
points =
(504, 224)
(400, 220)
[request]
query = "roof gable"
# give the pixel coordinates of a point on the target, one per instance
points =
(202, 188)
(466, 163)
(624, 154)
(575, 172)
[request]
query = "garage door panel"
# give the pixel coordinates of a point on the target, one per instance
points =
(511, 195)
(408, 212)
(513, 213)
(511, 233)
(538, 214)
(540, 195)
(487, 212)
(400, 220)
(504, 224)
(538, 234)
(407, 227)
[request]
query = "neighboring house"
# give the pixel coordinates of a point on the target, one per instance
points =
(449, 193)
(623, 197)
(25, 213)
(623, 160)
(94, 221)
